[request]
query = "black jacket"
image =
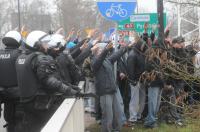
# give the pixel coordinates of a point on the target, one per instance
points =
(76, 49)
(68, 70)
(37, 73)
(135, 64)
(47, 72)
(179, 55)
(122, 65)
(83, 55)
(102, 67)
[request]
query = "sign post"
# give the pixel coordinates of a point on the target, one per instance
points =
(161, 23)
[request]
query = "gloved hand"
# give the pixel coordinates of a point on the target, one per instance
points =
(80, 95)
(69, 90)
(75, 88)
(86, 95)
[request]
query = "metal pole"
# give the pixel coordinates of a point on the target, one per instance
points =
(116, 44)
(116, 36)
(198, 8)
(19, 15)
(179, 18)
(161, 22)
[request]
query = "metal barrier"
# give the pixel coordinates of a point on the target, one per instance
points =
(69, 117)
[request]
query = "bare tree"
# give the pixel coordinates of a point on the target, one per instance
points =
(189, 17)
(185, 2)
(81, 15)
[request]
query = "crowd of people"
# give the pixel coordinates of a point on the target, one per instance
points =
(130, 82)
(154, 80)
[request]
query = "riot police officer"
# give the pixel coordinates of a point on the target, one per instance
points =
(39, 80)
(69, 66)
(69, 71)
(9, 92)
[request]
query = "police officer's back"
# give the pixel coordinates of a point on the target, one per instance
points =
(8, 57)
(8, 79)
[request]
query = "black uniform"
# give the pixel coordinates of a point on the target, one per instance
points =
(39, 80)
(9, 92)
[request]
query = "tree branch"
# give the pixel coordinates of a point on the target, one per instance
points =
(188, 2)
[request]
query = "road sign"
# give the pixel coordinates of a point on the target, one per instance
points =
(111, 30)
(136, 22)
(116, 10)
(108, 34)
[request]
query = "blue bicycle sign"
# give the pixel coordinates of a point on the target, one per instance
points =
(117, 10)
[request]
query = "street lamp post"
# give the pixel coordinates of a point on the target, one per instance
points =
(19, 15)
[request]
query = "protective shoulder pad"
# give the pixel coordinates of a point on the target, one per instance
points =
(42, 58)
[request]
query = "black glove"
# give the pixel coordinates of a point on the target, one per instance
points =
(80, 95)
(86, 95)
(68, 90)
(75, 88)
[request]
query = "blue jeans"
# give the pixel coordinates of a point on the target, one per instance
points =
(112, 112)
(154, 99)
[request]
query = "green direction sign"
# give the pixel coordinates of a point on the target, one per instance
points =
(136, 22)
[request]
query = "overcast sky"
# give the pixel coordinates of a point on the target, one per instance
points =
(149, 5)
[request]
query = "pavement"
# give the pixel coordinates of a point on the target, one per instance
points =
(89, 120)
(2, 122)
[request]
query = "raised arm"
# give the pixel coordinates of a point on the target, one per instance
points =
(116, 55)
